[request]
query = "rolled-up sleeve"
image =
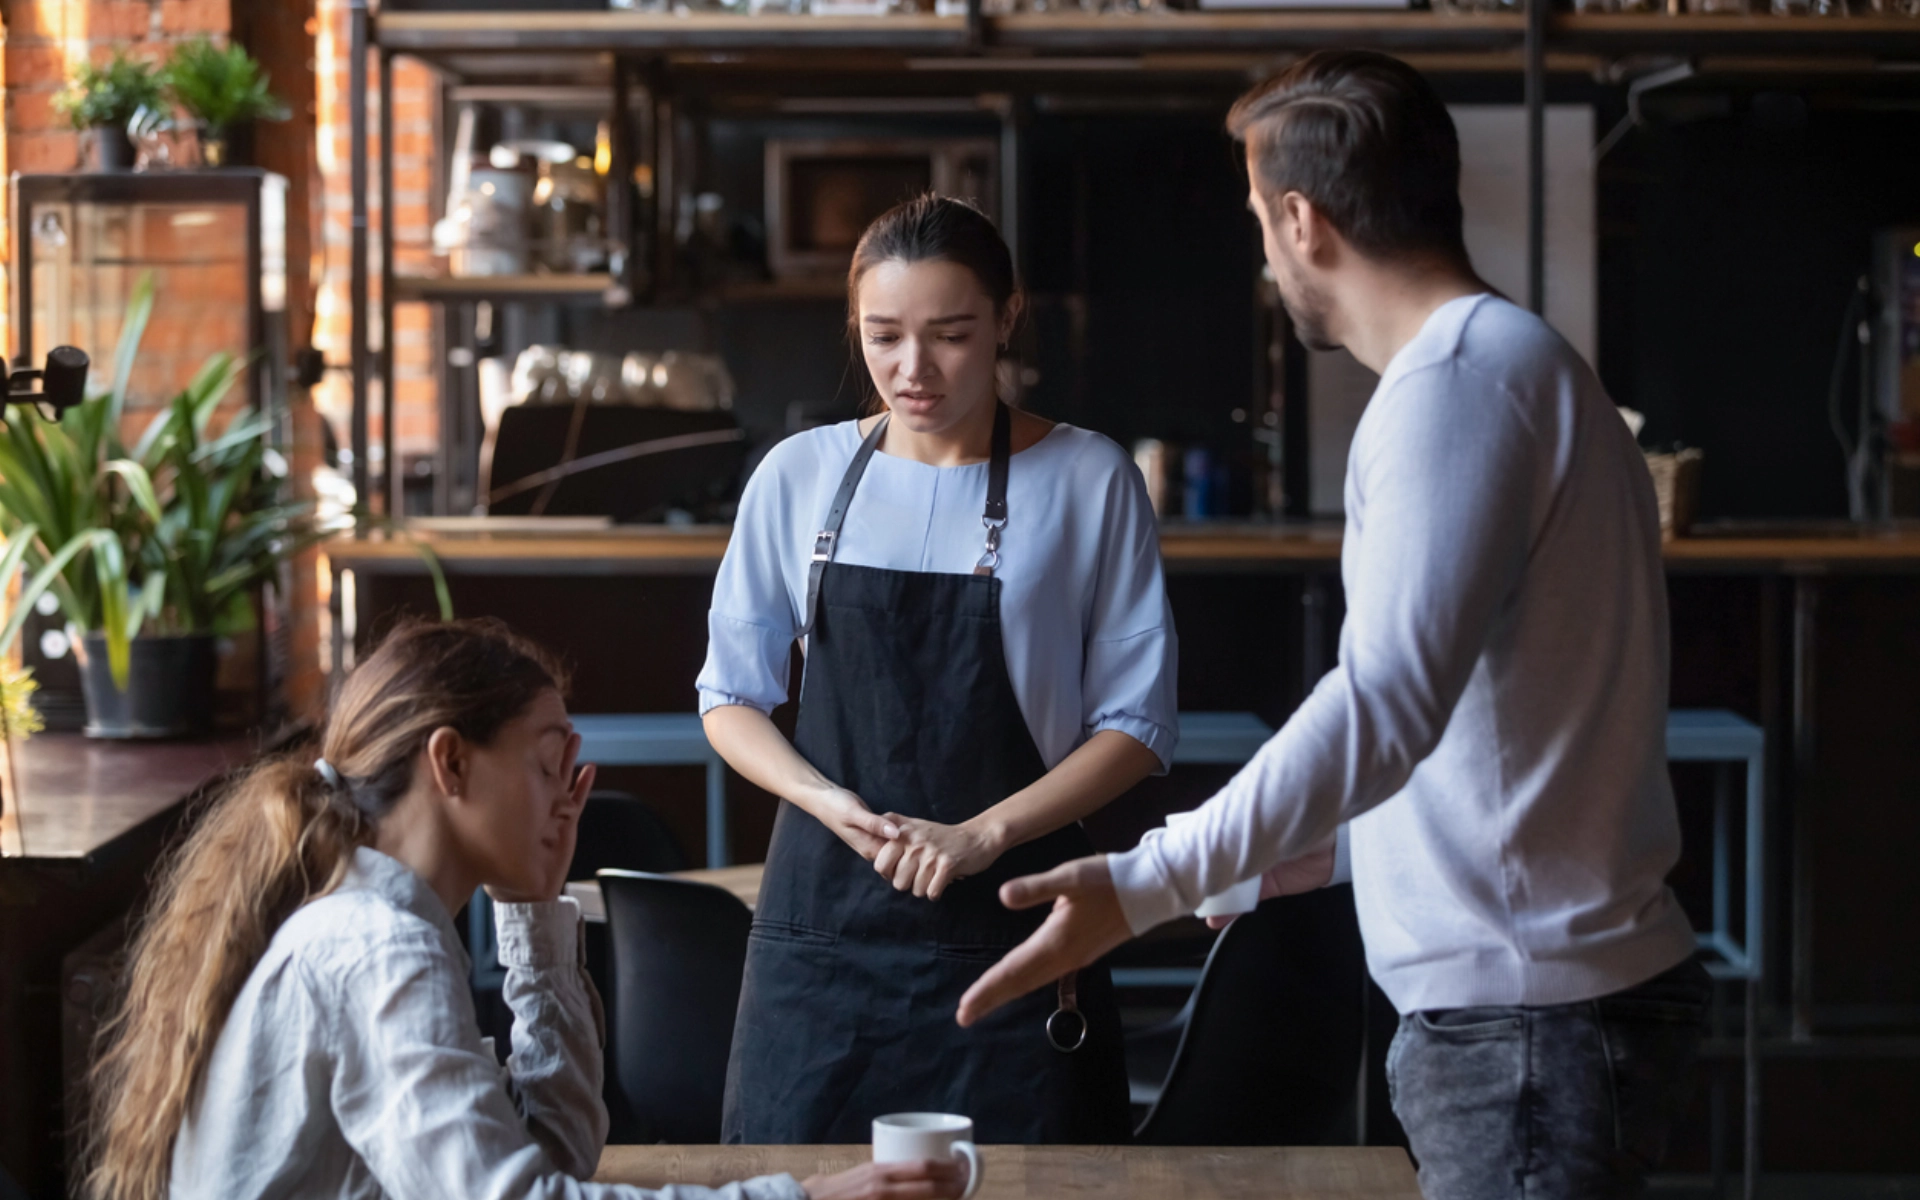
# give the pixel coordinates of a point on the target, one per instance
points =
(559, 1030)
(752, 621)
(1132, 655)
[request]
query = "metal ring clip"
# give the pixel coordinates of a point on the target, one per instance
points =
(1067, 1030)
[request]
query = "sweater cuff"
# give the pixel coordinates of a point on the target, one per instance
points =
(541, 935)
(1146, 897)
(1342, 856)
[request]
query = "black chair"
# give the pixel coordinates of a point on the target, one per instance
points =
(1271, 1043)
(679, 951)
(618, 830)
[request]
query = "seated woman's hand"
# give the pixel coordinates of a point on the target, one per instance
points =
(550, 856)
(926, 1180)
(927, 856)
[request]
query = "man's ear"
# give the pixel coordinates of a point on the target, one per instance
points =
(450, 760)
(1307, 230)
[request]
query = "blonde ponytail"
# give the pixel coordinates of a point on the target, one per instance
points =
(276, 840)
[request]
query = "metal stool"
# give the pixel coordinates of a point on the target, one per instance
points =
(1718, 736)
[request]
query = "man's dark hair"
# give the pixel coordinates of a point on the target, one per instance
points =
(1366, 139)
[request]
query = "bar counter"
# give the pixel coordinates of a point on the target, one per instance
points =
(570, 548)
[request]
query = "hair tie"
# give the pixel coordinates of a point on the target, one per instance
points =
(328, 773)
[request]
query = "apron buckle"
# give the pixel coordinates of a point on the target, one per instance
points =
(823, 545)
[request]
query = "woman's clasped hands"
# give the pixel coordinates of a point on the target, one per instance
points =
(926, 856)
(915, 855)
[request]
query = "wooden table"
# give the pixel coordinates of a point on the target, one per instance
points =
(743, 881)
(76, 848)
(1056, 1172)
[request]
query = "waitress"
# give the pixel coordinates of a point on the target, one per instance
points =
(989, 660)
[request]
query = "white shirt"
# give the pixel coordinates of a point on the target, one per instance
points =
(351, 1065)
(1495, 728)
(1083, 608)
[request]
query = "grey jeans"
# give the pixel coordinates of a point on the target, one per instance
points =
(1569, 1101)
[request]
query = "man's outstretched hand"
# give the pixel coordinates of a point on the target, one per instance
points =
(1085, 923)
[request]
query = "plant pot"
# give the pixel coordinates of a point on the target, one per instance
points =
(112, 148)
(228, 147)
(169, 689)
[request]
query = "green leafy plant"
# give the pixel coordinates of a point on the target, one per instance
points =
(110, 94)
(17, 715)
(168, 536)
(221, 86)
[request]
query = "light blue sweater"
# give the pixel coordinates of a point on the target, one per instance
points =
(1495, 728)
(1088, 635)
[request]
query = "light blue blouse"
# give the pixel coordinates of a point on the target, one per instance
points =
(1083, 608)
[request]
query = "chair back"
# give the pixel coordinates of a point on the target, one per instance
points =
(679, 951)
(617, 829)
(1273, 1046)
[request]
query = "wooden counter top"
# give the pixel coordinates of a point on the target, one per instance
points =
(1023, 1172)
(655, 549)
(79, 795)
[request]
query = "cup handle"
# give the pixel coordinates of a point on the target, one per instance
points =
(971, 1153)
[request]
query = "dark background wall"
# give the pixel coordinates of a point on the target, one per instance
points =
(1732, 229)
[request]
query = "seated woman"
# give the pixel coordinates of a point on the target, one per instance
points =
(297, 1020)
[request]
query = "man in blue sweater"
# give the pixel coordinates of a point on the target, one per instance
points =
(1491, 745)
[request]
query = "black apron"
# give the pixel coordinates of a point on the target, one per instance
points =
(847, 1007)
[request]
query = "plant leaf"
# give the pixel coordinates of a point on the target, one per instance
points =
(133, 328)
(31, 590)
(139, 486)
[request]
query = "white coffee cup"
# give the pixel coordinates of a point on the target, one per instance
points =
(1242, 897)
(913, 1137)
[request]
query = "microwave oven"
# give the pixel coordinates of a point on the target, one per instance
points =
(821, 193)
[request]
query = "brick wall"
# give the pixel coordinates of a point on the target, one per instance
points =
(43, 41)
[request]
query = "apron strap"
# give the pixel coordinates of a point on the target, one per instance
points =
(829, 535)
(995, 516)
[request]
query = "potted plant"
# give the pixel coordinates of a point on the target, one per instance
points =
(104, 99)
(224, 90)
(168, 539)
(18, 719)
